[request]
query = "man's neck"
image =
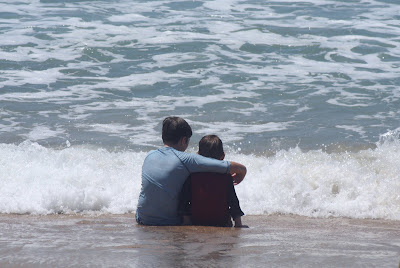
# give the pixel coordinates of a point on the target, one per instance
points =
(181, 145)
(175, 146)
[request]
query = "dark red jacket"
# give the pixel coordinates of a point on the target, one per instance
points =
(210, 199)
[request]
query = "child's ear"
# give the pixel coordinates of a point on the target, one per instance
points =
(222, 157)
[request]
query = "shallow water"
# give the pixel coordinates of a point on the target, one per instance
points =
(274, 241)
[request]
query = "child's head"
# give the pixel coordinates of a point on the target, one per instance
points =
(211, 146)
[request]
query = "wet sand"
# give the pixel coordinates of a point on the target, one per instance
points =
(271, 241)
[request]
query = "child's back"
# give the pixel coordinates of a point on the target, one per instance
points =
(210, 198)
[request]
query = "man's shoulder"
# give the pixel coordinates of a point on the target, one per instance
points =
(150, 153)
(162, 150)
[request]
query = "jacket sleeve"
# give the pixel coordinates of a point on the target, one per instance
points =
(233, 201)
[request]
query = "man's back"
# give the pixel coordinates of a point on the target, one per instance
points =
(158, 198)
(163, 174)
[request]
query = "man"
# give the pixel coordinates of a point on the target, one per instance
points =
(165, 170)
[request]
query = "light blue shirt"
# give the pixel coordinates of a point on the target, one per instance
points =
(164, 172)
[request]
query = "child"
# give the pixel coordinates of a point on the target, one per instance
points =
(209, 198)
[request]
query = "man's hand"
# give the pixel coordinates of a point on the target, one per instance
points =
(238, 172)
(236, 180)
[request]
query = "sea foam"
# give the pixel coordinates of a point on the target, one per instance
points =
(360, 184)
(38, 180)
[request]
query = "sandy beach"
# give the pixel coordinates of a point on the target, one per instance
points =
(271, 241)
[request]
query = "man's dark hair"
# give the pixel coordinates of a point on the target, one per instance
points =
(174, 128)
(211, 146)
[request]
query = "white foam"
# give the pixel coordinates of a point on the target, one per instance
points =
(110, 128)
(40, 132)
(364, 184)
(20, 77)
(358, 129)
(41, 181)
(221, 5)
(303, 109)
(338, 102)
(127, 18)
(232, 131)
(355, 185)
(10, 126)
(225, 25)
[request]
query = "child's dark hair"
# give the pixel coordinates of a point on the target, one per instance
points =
(211, 146)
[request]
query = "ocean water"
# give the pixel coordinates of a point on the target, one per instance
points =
(305, 94)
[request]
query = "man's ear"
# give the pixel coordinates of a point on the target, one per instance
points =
(181, 140)
(222, 157)
(184, 141)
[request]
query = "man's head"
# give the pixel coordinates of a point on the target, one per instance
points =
(211, 146)
(176, 132)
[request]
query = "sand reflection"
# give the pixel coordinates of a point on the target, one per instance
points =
(185, 246)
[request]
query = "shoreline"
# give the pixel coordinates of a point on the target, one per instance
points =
(273, 241)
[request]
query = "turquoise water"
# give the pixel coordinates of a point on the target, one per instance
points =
(311, 73)
(306, 94)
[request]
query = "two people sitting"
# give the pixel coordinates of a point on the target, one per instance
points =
(165, 171)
